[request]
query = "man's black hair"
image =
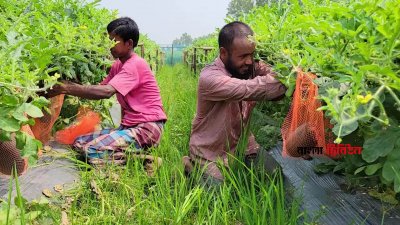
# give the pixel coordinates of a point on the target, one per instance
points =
(125, 28)
(230, 31)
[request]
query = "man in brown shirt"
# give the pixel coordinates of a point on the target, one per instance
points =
(227, 91)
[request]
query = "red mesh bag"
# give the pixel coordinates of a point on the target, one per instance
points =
(43, 125)
(10, 155)
(304, 126)
(86, 122)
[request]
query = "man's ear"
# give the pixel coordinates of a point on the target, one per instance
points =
(223, 53)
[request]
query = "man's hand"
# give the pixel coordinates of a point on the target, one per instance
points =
(263, 69)
(57, 89)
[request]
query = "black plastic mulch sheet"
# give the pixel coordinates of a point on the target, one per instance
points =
(49, 172)
(321, 195)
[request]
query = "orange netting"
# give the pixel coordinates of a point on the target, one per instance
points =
(43, 125)
(304, 126)
(41, 131)
(86, 122)
(27, 129)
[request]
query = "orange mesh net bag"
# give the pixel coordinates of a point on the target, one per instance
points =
(304, 127)
(10, 155)
(41, 131)
(85, 123)
(43, 125)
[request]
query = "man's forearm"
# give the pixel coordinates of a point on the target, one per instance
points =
(93, 92)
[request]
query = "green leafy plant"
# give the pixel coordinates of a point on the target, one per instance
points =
(40, 42)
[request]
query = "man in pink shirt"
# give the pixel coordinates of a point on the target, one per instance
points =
(227, 91)
(132, 80)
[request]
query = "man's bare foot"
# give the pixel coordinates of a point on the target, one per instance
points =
(151, 163)
(187, 164)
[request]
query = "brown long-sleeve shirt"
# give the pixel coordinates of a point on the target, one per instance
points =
(224, 104)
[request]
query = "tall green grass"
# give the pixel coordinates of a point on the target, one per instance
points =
(126, 195)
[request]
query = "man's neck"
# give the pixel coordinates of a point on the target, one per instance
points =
(124, 59)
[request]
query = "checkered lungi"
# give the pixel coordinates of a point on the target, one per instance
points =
(111, 145)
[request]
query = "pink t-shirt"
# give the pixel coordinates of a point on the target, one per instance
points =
(137, 91)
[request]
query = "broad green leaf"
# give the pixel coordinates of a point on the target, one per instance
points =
(9, 124)
(346, 129)
(371, 169)
(359, 170)
(9, 100)
(6, 110)
(32, 110)
(339, 167)
(377, 69)
(392, 163)
(19, 114)
(397, 181)
(380, 145)
(30, 147)
(40, 102)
